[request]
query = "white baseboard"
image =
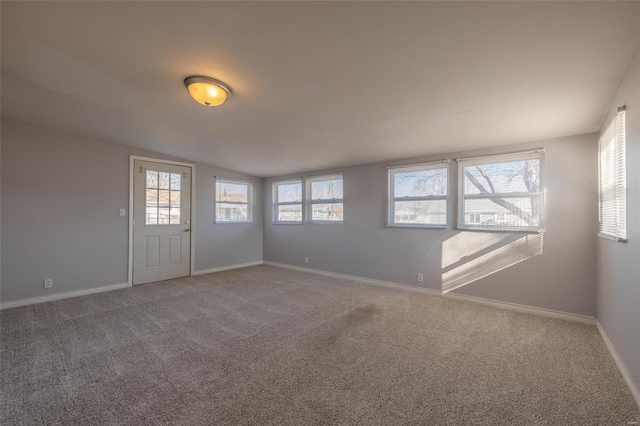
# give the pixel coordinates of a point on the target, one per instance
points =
(226, 268)
(58, 296)
(550, 313)
(67, 294)
(495, 303)
(623, 370)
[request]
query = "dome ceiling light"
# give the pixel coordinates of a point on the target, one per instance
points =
(207, 91)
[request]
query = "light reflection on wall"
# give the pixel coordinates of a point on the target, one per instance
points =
(469, 256)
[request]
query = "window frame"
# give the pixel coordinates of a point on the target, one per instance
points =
(158, 189)
(615, 131)
(249, 203)
(277, 203)
(391, 199)
(309, 202)
(539, 154)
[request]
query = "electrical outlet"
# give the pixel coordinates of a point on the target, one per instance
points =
(306, 260)
(48, 283)
(122, 212)
(420, 278)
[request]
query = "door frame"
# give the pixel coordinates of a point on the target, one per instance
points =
(192, 166)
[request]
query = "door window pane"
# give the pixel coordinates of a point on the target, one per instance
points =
(163, 216)
(152, 179)
(162, 198)
(163, 180)
(175, 181)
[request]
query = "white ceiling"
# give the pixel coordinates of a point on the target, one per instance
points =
(316, 85)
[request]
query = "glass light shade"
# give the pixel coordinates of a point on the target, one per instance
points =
(207, 91)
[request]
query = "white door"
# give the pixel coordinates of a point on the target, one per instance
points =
(161, 221)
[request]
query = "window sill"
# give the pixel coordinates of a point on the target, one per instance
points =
(510, 231)
(321, 222)
(287, 223)
(222, 222)
(417, 225)
(612, 238)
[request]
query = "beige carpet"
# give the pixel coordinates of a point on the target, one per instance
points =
(264, 345)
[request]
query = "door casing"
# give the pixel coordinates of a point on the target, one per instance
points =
(132, 159)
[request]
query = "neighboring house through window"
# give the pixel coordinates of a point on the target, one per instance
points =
(418, 195)
(233, 201)
(287, 201)
(502, 192)
(325, 199)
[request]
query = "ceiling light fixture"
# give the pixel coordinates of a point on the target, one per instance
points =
(207, 91)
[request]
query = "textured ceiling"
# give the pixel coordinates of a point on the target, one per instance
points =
(316, 85)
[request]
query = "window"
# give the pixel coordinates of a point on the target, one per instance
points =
(233, 201)
(325, 199)
(502, 192)
(613, 180)
(287, 201)
(162, 204)
(418, 195)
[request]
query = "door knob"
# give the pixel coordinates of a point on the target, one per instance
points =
(187, 230)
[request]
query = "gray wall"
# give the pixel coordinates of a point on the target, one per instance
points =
(619, 263)
(219, 245)
(60, 199)
(560, 277)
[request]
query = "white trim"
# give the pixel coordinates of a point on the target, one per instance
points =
(322, 175)
(392, 199)
(538, 154)
(160, 160)
(485, 228)
(494, 303)
(612, 238)
(326, 222)
(628, 378)
(285, 181)
(418, 166)
(612, 224)
(249, 202)
(307, 208)
(84, 292)
(533, 310)
(276, 203)
(192, 166)
(227, 268)
(234, 179)
(63, 295)
(417, 225)
(517, 153)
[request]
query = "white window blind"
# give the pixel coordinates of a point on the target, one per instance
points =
(613, 180)
(418, 195)
(325, 199)
(502, 192)
(233, 201)
(287, 201)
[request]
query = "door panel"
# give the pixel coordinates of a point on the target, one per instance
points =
(175, 249)
(161, 221)
(152, 251)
